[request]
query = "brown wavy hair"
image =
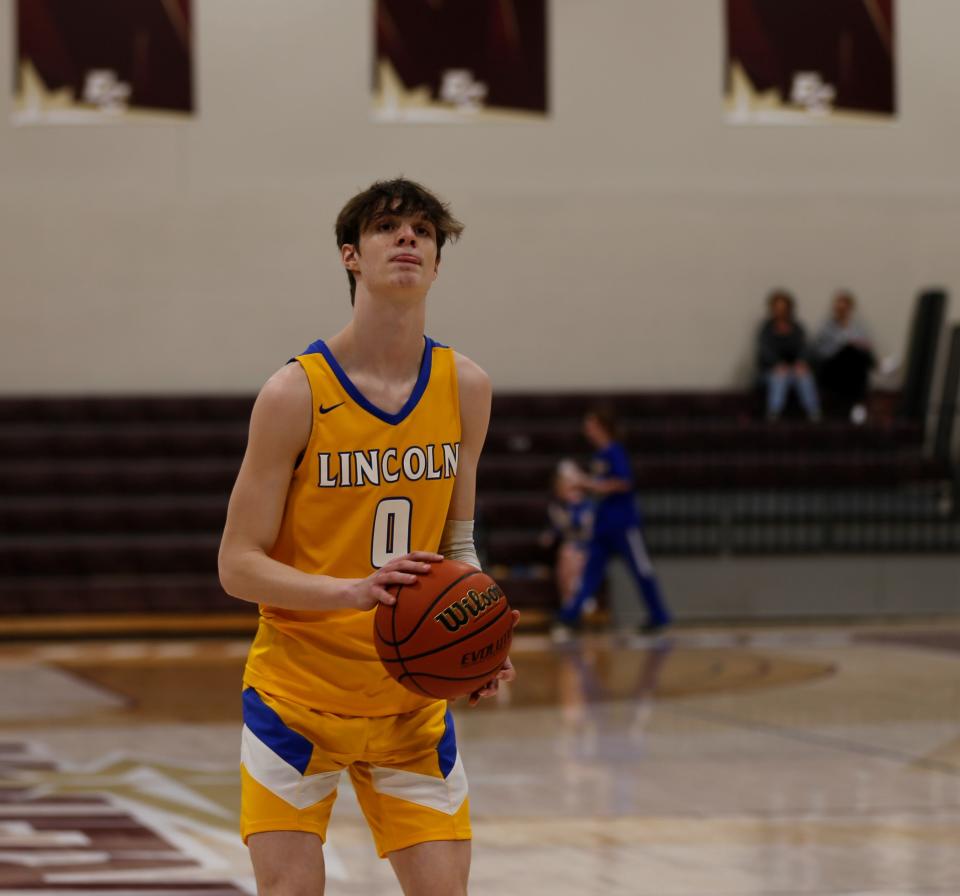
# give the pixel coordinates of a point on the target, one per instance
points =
(606, 415)
(400, 197)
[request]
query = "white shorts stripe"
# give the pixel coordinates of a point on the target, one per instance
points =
(281, 778)
(443, 794)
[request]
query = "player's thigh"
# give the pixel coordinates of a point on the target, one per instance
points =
(289, 767)
(287, 863)
(411, 785)
(571, 560)
(599, 551)
(435, 868)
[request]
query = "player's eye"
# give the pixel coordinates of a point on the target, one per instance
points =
(385, 225)
(423, 231)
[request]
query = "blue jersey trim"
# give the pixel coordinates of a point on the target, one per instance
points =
(292, 747)
(320, 347)
(447, 748)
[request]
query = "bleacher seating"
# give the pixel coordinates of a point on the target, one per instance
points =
(116, 504)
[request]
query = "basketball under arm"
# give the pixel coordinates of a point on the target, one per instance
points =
(456, 542)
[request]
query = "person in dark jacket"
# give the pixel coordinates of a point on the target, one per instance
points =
(782, 358)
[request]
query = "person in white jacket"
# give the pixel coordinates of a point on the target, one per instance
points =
(843, 352)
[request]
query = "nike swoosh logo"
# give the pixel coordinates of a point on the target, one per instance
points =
(332, 407)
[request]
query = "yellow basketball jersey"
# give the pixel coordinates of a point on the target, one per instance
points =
(370, 487)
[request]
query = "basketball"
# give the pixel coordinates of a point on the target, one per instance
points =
(448, 634)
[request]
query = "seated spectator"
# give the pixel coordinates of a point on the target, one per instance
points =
(571, 521)
(844, 357)
(781, 358)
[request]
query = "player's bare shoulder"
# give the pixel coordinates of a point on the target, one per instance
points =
(283, 411)
(475, 398)
(473, 381)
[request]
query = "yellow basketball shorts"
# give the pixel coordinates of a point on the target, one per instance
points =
(405, 769)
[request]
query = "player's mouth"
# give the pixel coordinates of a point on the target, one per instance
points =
(406, 259)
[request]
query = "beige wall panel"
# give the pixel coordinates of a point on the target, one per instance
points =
(627, 241)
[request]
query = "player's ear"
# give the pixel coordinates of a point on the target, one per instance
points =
(350, 256)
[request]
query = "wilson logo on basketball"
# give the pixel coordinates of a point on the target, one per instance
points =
(476, 603)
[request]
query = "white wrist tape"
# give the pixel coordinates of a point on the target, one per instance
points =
(456, 542)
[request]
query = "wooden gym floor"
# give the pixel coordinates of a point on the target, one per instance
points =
(782, 762)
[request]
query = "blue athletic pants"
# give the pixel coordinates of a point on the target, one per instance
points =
(628, 544)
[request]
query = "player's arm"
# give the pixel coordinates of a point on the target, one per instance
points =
(619, 476)
(607, 486)
(279, 432)
(475, 400)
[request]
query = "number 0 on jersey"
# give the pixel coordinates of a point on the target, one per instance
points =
(391, 531)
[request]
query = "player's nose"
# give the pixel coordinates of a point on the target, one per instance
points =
(406, 235)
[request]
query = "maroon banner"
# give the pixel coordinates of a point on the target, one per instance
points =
(799, 61)
(460, 60)
(94, 61)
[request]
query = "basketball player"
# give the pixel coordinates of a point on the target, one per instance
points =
(359, 473)
(616, 528)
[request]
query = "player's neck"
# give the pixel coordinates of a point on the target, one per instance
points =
(384, 337)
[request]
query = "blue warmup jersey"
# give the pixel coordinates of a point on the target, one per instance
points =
(572, 522)
(617, 532)
(618, 511)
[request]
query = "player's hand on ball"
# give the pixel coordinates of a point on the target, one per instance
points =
(365, 594)
(506, 673)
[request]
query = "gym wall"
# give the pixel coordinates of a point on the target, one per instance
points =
(626, 241)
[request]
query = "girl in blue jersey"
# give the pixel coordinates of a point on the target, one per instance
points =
(571, 522)
(616, 527)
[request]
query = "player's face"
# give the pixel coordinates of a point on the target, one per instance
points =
(842, 308)
(780, 308)
(594, 431)
(397, 254)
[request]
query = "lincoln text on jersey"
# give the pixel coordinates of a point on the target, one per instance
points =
(358, 468)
